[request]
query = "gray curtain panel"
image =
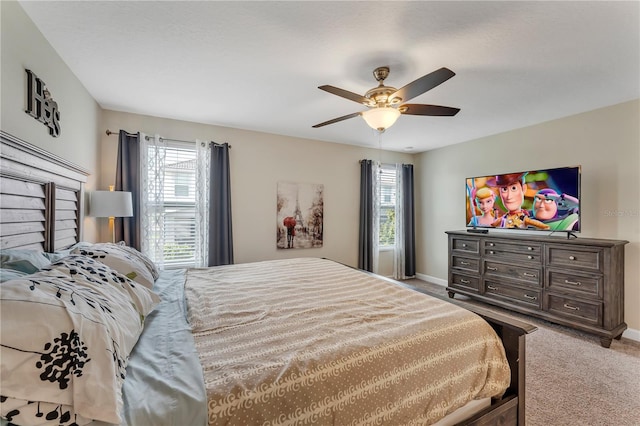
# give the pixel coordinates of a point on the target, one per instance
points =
(220, 229)
(127, 229)
(409, 221)
(365, 242)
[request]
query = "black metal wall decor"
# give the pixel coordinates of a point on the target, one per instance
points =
(40, 104)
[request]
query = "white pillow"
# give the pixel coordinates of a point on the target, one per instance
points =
(67, 332)
(120, 259)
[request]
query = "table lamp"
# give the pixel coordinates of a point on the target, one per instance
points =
(110, 204)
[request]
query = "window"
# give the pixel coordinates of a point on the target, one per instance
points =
(182, 186)
(174, 206)
(387, 185)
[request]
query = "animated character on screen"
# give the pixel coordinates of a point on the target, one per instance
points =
(560, 212)
(484, 199)
(511, 188)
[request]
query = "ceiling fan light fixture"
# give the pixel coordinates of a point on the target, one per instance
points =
(381, 118)
(383, 101)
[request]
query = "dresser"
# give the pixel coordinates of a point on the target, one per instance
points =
(577, 282)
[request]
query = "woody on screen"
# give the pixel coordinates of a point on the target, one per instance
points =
(511, 190)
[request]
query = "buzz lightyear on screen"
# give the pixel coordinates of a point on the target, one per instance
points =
(559, 211)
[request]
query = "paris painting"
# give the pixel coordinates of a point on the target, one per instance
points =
(300, 215)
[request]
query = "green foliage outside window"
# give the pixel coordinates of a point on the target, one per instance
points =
(177, 251)
(387, 227)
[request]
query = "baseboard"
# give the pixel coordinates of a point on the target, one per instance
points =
(430, 279)
(629, 333)
(632, 334)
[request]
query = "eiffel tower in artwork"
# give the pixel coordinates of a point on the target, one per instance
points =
(297, 214)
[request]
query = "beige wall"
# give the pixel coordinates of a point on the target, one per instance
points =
(24, 47)
(258, 162)
(605, 142)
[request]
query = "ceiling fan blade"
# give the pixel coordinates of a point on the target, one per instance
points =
(335, 120)
(421, 109)
(423, 84)
(346, 94)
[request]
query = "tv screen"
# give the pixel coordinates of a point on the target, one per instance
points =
(543, 200)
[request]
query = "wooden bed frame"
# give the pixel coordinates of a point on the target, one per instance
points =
(42, 208)
(41, 197)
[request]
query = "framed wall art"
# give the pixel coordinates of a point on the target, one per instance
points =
(299, 219)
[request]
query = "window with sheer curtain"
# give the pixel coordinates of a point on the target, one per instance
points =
(386, 216)
(172, 203)
(387, 209)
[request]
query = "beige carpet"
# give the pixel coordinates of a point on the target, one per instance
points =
(571, 379)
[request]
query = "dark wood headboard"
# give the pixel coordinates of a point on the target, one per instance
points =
(41, 197)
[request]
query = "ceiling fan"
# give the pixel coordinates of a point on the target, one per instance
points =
(385, 102)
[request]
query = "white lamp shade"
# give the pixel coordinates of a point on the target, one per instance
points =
(110, 204)
(381, 118)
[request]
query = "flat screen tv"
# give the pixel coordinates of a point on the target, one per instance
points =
(541, 200)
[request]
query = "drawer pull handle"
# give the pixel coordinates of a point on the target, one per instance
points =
(464, 263)
(530, 248)
(490, 287)
(530, 297)
(465, 281)
(572, 282)
(464, 245)
(572, 258)
(527, 274)
(490, 251)
(491, 244)
(529, 257)
(492, 268)
(573, 308)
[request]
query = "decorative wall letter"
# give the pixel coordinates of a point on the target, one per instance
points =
(40, 104)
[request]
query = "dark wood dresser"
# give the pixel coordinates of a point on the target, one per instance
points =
(578, 282)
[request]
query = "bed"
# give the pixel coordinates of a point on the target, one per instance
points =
(297, 341)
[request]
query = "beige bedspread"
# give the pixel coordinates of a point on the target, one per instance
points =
(311, 341)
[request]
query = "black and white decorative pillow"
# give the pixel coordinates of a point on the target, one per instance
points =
(123, 259)
(141, 257)
(67, 332)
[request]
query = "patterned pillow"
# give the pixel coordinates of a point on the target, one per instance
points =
(144, 259)
(119, 259)
(57, 255)
(67, 332)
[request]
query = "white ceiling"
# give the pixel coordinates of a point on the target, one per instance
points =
(257, 65)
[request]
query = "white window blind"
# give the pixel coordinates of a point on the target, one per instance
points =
(176, 219)
(387, 186)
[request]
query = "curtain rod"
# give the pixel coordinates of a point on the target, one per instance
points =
(109, 133)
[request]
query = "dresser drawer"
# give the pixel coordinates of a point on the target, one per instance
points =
(574, 283)
(465, 264)
(589, 312)
(518, 295)
(513, 252)
(465, 282)
(465, 245)
(579, 258)
(528, 276)
(513, 247)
